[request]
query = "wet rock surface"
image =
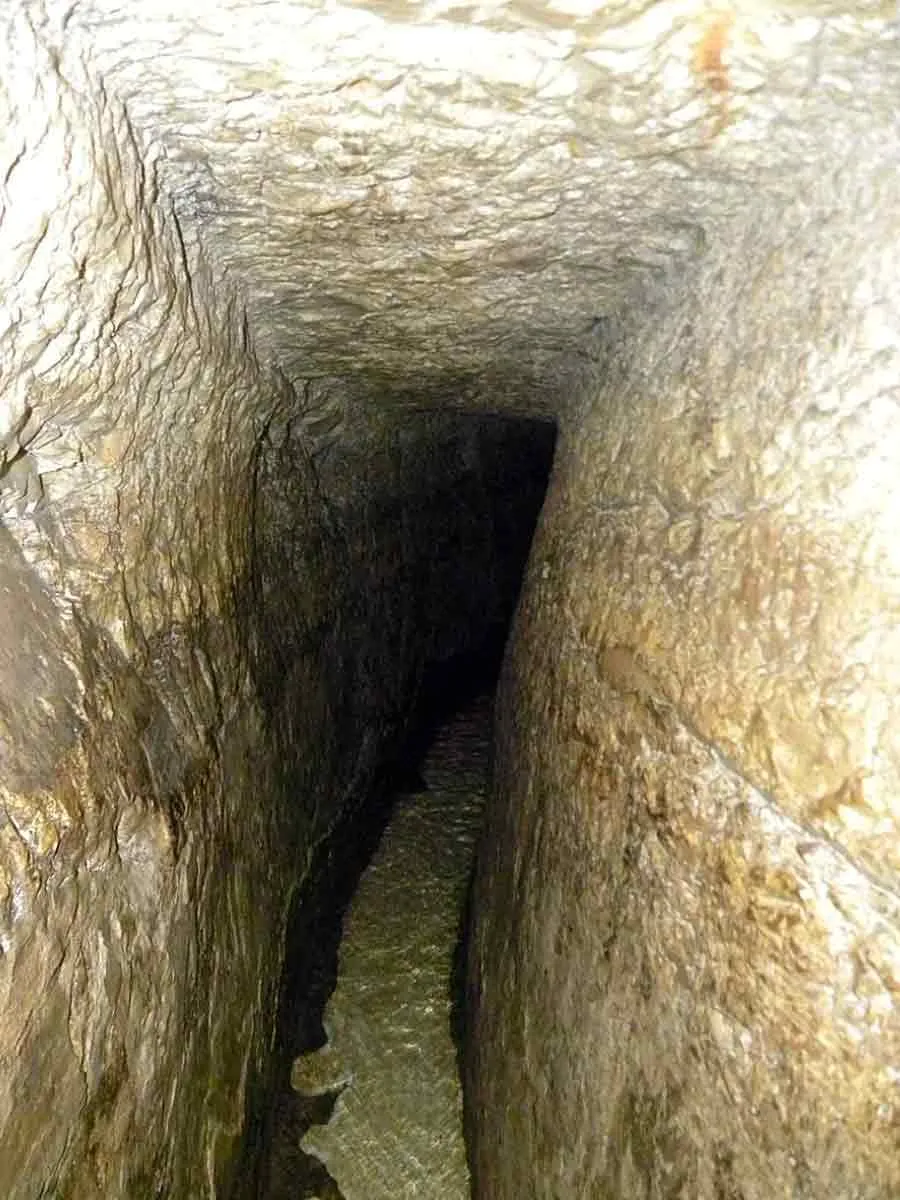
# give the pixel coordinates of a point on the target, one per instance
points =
(391, 1054)
(449, 730)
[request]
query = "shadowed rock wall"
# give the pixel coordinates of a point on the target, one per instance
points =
(201, 654)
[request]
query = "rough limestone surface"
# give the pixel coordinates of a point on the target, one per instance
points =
(277, 282)
(212, 622)
(686, 964)
(396, 1132)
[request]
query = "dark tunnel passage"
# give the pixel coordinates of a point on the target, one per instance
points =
(514, 461)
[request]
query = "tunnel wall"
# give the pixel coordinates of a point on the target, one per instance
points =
(685, 977)
(207, 640)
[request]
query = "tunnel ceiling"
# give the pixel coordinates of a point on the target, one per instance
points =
(448, 197)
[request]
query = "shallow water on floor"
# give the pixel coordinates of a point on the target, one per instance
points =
(376, 1099)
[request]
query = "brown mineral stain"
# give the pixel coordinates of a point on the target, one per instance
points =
(709, 64)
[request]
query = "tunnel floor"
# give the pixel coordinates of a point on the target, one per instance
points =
(368, 1102)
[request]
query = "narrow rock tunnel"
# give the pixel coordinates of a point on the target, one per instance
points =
(380, 915)
(298, 301)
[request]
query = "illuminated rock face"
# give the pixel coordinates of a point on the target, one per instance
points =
(278, 286)
(687, 963)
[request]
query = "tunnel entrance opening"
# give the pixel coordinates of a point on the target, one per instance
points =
(274, 1165)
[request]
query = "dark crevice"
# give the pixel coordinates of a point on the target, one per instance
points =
(283, 1171)
(273, 1166)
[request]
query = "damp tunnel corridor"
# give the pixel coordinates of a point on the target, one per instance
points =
(343, 341)
(363, 1102)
